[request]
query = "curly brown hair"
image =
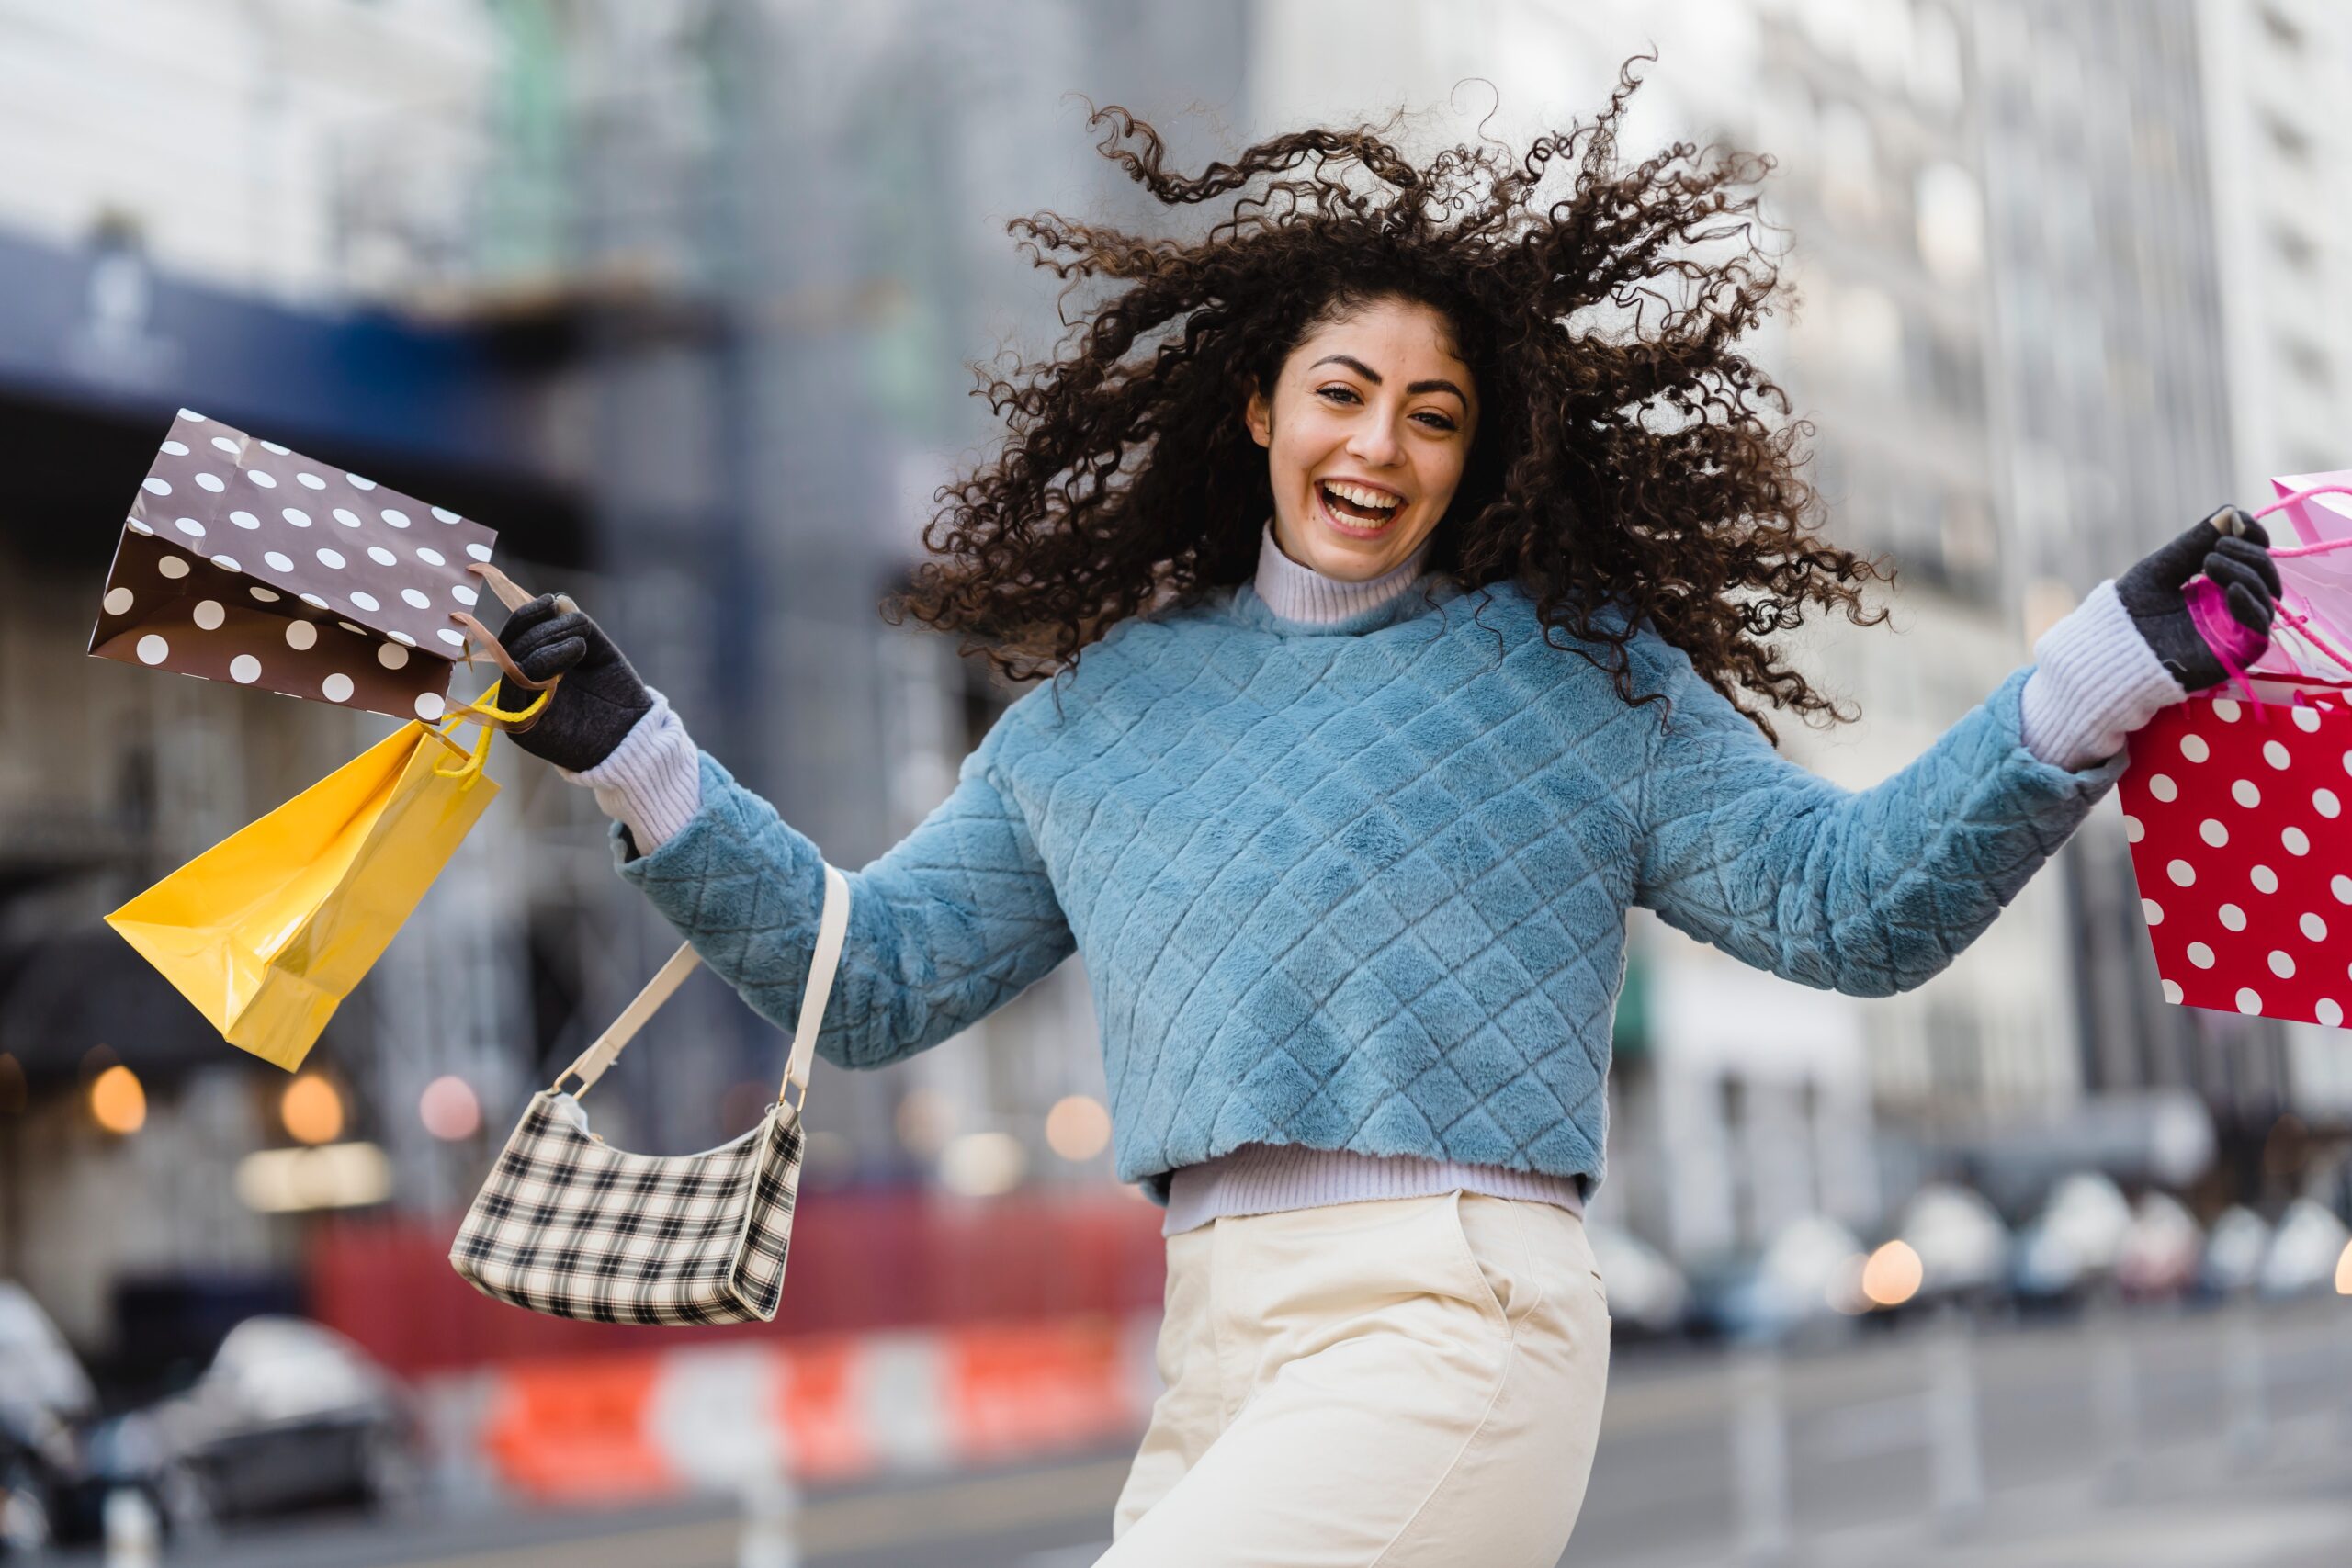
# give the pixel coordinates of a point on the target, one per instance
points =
(1626, 455)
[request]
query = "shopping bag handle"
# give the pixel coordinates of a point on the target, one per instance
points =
(832, 925)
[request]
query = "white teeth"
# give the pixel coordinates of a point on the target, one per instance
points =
(1359, 496)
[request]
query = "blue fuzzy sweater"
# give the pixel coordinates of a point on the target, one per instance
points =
(1363, 886)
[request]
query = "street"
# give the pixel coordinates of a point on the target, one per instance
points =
(2215, 1475)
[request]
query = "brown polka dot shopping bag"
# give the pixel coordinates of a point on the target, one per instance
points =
(243, 561)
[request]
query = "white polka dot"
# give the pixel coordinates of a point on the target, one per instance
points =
(365, 600)
(2172, 992)
(118, 601)
(416, 599)
(2341, 885)
(245, 520)
(2298, 842)
(2225, 710)
(2324, 801)
(2307, 720)
(227, 563)
(446, 515)
(355, 631)
(480, 552)
(403, 638)
(137, 526)
(2200, 955)
(176, 449)
(225, 444)
(155, 486)
(245, 670)
(315, 602)
(273, 447)
(348, 518)
(172, 567)
(430, 557)
(2212, 832)
(301, 636)
(2152, 911)
(192, 416)
(336, 687)
(296, 515)
(2275, 754)
(2264, 879)
(2233, 917)
(264, 594)
(212, 482)
(2282, 965)
(277, 562)
(464, 595)
(2193, 747)
(2133, 829)
(2244, 793)
(2328, 1012)
(2313, 927)
(209, 615)
(2249, 1000)
(429, 705)
(330, 559)
(392, 656)
(309, 481)
(396, 518)
(2163, 788)
(381, 556)
(153, 650)
(2182, 872)
(357, 483)
(2347, 762)
(263, 478)
(455, 639)
(189, 526)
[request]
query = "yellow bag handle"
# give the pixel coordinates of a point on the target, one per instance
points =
(484, 709)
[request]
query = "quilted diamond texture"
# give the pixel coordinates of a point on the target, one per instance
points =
(1364, 886)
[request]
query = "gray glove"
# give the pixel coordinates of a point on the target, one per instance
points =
(2228, 546)
(600, 699)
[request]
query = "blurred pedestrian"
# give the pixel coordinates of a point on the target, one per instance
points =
(1422, 530)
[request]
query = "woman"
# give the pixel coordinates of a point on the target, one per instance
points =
(1417, 597)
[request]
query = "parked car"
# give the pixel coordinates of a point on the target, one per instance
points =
(2074, 1243)
(288, 1414)
(45, 1399)
(2304, 1250)
(2234, 1251)
(1963, 1248)
(2161, 1251)
(1803, 1285)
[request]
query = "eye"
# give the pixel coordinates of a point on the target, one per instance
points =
(1346, 394)
(1434, 420)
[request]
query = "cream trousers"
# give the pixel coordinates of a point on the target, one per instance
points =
(1412, 1381)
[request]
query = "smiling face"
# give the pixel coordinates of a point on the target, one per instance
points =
(1367, 433)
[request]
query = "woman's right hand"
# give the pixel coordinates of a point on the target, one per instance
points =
(600, 698)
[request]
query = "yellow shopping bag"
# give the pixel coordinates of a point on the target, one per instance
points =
(271, 927)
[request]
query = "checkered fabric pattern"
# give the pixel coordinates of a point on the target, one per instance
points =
(1363, 885)
(569, 1226)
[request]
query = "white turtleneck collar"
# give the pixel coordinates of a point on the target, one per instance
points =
(1297, 593)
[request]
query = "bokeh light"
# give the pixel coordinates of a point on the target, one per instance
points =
(449, 1109)
(2343, 1271)
(119, 1100)
(312, 1111)
(1077, 1127)
(1893, 1275)
(982, 1165)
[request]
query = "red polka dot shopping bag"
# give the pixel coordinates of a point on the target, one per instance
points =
(2235, 802)
(244, 560)
(2242, 852)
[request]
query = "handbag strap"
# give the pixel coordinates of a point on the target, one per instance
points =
(832, 926)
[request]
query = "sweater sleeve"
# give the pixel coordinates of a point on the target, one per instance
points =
(951, 923)
(2095, 680)
(1867, 892)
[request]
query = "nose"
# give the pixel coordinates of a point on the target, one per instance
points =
(1374, 443)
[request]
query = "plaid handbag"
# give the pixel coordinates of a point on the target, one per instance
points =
(569, 1226)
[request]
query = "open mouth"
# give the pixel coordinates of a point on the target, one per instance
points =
(1358, 503)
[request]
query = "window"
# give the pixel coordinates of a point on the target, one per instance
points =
(1950, 222)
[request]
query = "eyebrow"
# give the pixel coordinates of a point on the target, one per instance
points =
(1368, 373)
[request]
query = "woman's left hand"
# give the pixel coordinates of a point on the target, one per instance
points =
(2231, 548)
